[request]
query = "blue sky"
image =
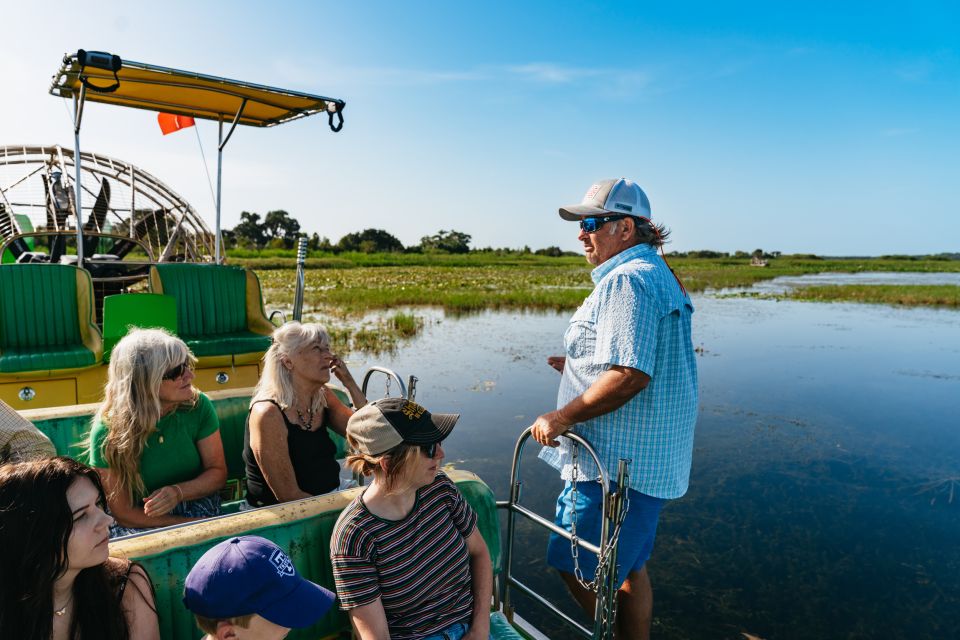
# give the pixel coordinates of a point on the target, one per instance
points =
(831, 128)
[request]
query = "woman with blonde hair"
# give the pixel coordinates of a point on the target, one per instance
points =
(288, 453)
(408, 559)
(56, 579)
(156, 439)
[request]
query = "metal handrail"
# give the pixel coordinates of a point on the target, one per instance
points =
(389, 372)
(514, 508)
(283, 317)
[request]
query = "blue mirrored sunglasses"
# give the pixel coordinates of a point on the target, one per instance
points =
(593, 223)
(430, 450)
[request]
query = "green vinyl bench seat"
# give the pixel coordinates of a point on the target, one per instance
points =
(227, 343)
(68, 356)
(303, 529)
(46, 319)
(68, 429)
(219, 308)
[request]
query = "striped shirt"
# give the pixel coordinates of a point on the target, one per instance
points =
(637, 316)
(419, 566)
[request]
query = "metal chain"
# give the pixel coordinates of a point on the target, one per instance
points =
(604, 557)
(389, 379)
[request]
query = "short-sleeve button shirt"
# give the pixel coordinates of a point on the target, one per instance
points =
(637, 316)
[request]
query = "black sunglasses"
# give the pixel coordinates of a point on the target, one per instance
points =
(177, 371)
(593, 223)
(430, 450)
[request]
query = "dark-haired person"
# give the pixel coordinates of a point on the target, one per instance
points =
(408, 559)
(56, 579)
(628, 386)
(156, 438)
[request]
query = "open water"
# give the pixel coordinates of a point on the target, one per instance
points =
(825, 495)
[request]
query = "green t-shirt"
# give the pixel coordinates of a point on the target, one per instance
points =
(171, 454)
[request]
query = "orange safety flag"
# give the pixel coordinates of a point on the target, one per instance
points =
(170, 123)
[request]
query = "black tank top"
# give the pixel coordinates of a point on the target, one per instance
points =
(312, 454)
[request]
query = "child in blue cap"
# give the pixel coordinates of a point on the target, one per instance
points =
(246, 588)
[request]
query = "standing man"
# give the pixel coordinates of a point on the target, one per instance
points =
(629, 387)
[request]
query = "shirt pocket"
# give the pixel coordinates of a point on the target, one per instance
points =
(580, 339)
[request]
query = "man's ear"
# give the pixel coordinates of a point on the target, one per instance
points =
(628, 228)
(226, 631)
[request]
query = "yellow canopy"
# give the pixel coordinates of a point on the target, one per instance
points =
(144, 86)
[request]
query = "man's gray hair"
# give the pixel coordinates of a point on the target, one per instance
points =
(646, 232)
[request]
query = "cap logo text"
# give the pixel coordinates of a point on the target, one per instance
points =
(592, 191)
(282, 563)
(623, 207)
(412, 410)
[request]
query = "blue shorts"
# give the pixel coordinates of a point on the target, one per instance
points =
(455, 631)
(636, 536)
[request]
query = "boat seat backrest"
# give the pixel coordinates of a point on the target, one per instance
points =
(212, 299)
(68, 430)
(46, 318)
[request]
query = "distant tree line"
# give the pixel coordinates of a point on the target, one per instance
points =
(279, 230)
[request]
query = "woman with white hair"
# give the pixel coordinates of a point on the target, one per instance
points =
(156, 439)
(288, 453)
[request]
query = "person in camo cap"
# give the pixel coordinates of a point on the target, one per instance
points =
(408, 559)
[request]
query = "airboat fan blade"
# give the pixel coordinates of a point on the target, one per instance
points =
(99, 214)
(97, 217)
(147, 225)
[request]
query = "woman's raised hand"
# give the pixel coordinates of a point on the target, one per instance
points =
(339, 369)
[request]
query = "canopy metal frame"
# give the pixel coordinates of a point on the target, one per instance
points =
(143, 86)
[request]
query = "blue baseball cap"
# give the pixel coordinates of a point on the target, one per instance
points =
(248, 575)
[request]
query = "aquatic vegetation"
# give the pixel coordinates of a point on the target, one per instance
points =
(942, 488)
(942, 295)
(405, 325)
(375, 336)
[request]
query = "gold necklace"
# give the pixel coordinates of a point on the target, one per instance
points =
(61, 611)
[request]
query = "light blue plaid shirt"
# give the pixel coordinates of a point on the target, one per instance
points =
(637, 316)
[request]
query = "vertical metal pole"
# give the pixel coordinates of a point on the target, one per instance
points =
(298, 294)
(219, 179)
(133, 200)
(77, 118)
(515, 485)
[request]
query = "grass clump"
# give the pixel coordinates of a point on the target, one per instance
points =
(944, 295)
(405, 325)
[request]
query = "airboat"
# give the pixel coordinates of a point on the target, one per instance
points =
(91, 245)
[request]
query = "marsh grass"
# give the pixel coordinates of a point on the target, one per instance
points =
(474, 282)
(405, 325)
(376, 335)
(943, 295)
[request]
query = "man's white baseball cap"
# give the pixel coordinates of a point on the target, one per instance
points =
(604, 197)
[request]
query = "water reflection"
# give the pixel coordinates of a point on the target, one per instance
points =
(819, 503)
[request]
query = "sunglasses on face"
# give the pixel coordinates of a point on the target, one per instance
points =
(177, 371)
(430, 450)
(592, 224)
